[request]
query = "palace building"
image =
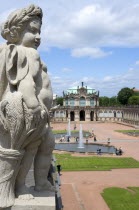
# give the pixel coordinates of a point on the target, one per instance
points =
(81, 103)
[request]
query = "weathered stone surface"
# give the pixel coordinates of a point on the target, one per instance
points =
(25, 101)
(42, 201)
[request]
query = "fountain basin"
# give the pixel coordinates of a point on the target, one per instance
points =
(76, 134)
(89, 148)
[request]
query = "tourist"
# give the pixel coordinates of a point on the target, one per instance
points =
(77, 139)
(109, 141)
(59, 169)
(63, 139)
(75, 127)
(95, 139)
(120, 151)
(99, 151)
(68, 139)
(117, 151)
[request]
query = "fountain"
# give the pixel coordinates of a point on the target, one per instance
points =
(81, 147)
(81, 143)
(69, 130)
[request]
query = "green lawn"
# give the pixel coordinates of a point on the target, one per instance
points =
(121, 199)
(126, 131)
(70, 163)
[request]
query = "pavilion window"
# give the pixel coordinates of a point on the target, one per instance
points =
(72, 101)
(82, 101)
(91, 101)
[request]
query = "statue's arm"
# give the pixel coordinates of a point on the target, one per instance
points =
(28, 89)
(44, 88)
(18, 76)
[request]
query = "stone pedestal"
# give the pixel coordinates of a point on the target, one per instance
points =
(42, 201)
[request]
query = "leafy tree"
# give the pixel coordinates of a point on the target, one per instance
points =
(113, 101)
(124, 94)
(100, 101)
(136, 93)
(104, 101)
(133, 100)
(59, 100)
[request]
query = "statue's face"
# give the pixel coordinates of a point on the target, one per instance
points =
(30, 37)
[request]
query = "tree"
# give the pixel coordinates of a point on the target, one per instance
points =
(124, 94)
(104, 101)
(136, 93)
(100, 101)
(59, 100)
(133, 100)
(113, 101)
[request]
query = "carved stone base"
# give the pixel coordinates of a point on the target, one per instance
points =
(42, 201)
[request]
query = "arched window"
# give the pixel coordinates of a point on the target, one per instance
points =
(57, 113)
(110, 114)
(91, 101)
(82, 101)
(119, 115)
(61, 114)
(66, 101)
(71, 101)
(100, 114)
(105, 114)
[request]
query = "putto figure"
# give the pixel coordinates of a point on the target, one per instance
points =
(25, 100)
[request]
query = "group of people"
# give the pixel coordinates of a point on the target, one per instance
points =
(119, 151)
(63, 139)
(99, 152)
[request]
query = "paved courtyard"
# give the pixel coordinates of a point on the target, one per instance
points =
(82, 190)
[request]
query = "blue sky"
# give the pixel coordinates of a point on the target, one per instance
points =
(93, 41)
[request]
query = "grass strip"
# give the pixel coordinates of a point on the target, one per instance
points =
(71, 163)
(119, 198)
(126, 131)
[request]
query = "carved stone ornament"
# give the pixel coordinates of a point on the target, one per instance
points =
(25, 101)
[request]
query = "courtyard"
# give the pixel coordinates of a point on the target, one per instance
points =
(81, 190)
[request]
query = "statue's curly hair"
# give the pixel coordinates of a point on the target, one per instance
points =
(17, 20)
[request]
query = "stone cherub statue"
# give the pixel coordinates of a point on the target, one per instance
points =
(25, 100)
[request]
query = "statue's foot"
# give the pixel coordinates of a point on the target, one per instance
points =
(46, 187)
(22, 192)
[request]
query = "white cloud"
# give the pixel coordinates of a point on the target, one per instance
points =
(94, 25)
(66, 70)
(108, 86)
(88, 51)
(137, 63)
(84, 24)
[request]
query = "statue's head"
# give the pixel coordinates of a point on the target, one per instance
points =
(23, 27)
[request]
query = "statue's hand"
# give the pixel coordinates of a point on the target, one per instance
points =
(35, 113)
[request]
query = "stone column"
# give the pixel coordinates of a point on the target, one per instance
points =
(68, 101)
(77, 118)
(94, 116)
(87, 101)
(76, 102)
(87, 115)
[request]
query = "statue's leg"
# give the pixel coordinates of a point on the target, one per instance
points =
(21, 190)
(42, 162)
